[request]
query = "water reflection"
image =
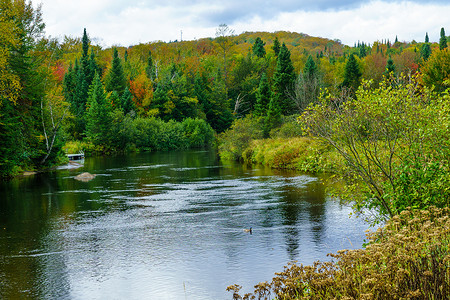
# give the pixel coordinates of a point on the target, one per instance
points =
(162, 226)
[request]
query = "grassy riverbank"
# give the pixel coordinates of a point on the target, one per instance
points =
(286, 149)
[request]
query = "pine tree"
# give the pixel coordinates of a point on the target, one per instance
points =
(115, 80)
(127, 101)
(85, 63)
(276, 46)
(352, 74)
(114, 99)
(149, 70)
(98, 115)
(425, 51)
(262, 97)
(283, 80)
(390, 67)
(273, 118)
(310, 70)
(258, 47)
(442, 40)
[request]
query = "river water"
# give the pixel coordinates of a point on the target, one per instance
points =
(163, 226)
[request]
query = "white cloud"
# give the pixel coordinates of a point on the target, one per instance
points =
(131, 22)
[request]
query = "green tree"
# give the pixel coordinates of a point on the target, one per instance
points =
(425, 51)
(262, 97)
(390, 67)
(258, 47)
(98, 116)
(150, 68)
(127, 102)
(442, 40)
(387, 138)
(307, 86)
(310, 70)
(283, 81)
(436, 71)
(352, 74)
(115, 79)
(276, 46)
(273, 118)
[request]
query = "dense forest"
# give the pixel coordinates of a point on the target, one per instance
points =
(70, 93)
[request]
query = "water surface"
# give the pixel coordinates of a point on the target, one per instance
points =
(162, 226)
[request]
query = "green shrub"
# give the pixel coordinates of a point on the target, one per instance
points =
(235, 140)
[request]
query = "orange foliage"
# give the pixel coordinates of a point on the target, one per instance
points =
(142, 90)
(58, 71)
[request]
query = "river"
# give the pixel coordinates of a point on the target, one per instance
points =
(163, 226)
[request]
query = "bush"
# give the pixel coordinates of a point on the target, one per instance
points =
(406, 259)
(235, 140)
(394, 140)
(155, 134)
(301, 153)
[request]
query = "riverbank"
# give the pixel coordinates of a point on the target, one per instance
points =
(406, 259)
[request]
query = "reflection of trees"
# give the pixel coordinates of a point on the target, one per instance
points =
(302, 206)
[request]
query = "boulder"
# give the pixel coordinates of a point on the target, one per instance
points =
(85, 177)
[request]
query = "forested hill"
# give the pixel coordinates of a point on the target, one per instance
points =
(160, 95)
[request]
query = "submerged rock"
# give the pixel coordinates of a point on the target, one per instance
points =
(86, 176)
(29, 173)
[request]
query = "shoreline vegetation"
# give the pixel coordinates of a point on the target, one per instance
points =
(390, 146)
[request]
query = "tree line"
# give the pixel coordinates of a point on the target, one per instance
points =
(57, 90)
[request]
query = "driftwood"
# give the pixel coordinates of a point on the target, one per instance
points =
(85, 177)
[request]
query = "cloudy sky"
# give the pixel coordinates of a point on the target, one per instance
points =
(129, 22)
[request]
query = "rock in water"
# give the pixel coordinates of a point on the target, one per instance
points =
(85, 177)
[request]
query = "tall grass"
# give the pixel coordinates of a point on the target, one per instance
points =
(408, 258)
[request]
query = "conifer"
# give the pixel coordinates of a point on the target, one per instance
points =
(98, 115)
(276, 46)
(425, 51)
(442, 40)
(115, 80)
(352, 74)
(258, 47)
(283, 80)
(262, 97)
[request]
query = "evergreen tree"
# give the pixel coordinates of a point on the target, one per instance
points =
(352, 74)
(149, 70)
(273, 118)
(258, 47)
(115, 80)
(310, 70)
(98, 115)
(114, 99)
(276, 46)
(283, 81)
(442, 40)
(127, 101)
(362, 51)
(85, 45)
(390, 67)
(425, 52)
(262, 97)
(307, 85)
